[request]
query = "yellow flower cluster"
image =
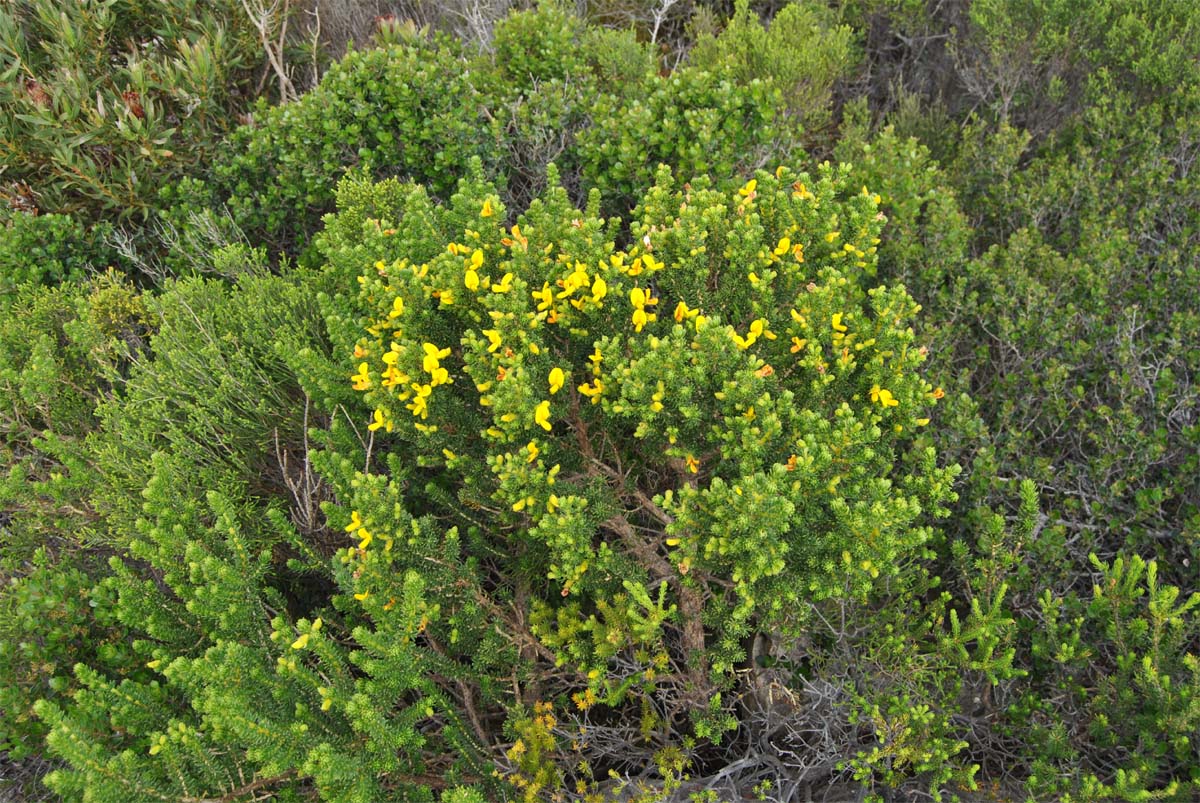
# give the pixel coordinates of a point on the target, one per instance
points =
(640, 299)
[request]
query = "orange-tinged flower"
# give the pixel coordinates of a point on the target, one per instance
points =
(693, 465)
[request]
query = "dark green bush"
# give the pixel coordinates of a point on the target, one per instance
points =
(47, 249)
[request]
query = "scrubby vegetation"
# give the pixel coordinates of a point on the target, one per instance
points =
(641, 402)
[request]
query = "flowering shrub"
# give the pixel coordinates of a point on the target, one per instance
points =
(630, 449)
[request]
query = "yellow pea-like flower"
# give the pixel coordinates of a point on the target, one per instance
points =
(599, 289)
(471, 280)
(748, 190)
(504, 285)
(397, 307)
(838, 326)
(362, 380)
(541, 415)
(301, 642)
(477, 259)
(533, 450)
(487, 210)
(381, 420)
(493, 336)
(355, 522)
(637, 297)
(883, 396)
(557, 378)
(592, 390)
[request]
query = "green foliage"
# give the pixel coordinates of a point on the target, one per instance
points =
(801, 51)
(47, 249)
(550, 475)
(106, 102)
(406, 109)
(699, 122)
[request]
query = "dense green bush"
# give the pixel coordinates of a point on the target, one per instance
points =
(47, 249)
(456, 512)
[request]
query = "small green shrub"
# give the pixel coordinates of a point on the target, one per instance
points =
(801, 51)
(47, 249)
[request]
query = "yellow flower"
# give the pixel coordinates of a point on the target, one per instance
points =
(545, 297)
(798, 344)
(592, 390)
(883, 396)
(477, 259)
(748, 190)
(784, 245)
(493, 336)
(831, 236)
(471, 280)
(683, 312)
(533, 450)
(394, 376)
(557, 377)
(301, 642)
(362, 596)
(504, 284)
(693, 465)
(381, 420)
(596, 358)
(650, 264)
(838, 326)
(355, 522)
(487, 210)
(420, 403)
(397, 307)
(366, 538)
(599, 289)
(362, 380)
(637, 297)
(541, 415)
(432, 355)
